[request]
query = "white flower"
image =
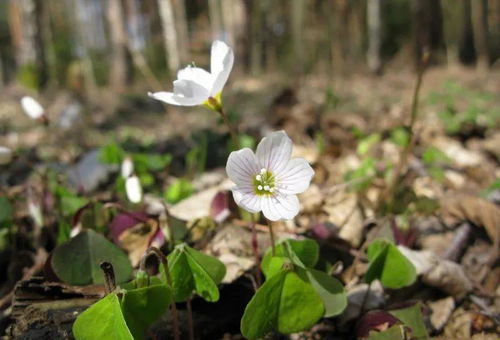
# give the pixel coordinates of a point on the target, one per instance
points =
(269, 180)
(195, 86)
(127, 168)
(31, 107)
(5, 155)
(134, 189)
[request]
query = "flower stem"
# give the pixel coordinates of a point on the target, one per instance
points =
(255, 247)
(403, 160)
(232, 130)
(271, 235)
(175, 316)
(190, 319)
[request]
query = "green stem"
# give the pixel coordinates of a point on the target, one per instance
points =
(255, 247)
(232, 130)
(190, 319)
(271, 235)
(175, 316)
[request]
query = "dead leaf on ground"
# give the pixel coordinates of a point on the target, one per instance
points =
(437, 272)
(461, 207)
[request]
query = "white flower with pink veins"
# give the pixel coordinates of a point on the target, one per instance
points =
(269, 180)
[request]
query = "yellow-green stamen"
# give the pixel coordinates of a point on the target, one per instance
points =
(264, 183)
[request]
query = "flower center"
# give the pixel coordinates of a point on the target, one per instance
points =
(263, 182)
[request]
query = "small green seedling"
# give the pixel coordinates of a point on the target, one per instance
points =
(295, 296)
(194, 272)
(388, 265)
(124, 314)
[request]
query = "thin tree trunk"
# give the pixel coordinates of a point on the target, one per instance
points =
(169, 35)
(298, 8)
(480, 30)
(374, 23)
(182, 30)
(256, 37)
(215, 15)
(25, 25)
(118, 73)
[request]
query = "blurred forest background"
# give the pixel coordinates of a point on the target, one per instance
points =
(84, 45)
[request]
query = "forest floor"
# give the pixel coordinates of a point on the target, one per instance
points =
(445, 211)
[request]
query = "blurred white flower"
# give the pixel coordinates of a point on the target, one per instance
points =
(195, 86)
(269, 180)
(5, 155)
(134, 189)
(127, 168)
(32, 108)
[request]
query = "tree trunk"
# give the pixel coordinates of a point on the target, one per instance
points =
(25, 25)
(182, 30)
(169, 35)
(118, 73)
(374, 23)
(215, 15)
(428, 30)
(256, 37)
(480, 30)
(298, 8)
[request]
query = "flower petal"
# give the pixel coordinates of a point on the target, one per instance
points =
(242, 166)
(221, 63)
(190, 89)
(198, 76)
(280, 207)
(171, 98)
(134, 189)
(295, 177)
(274, 151)
(31, 107)
(245, 197)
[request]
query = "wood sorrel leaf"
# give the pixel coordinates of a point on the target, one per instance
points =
(193, 271)
(102, 320)
(330, 290)
(77, 261)
(388, 265)
(141, 307)
(286, 302)
(304, 253)
(412, 317)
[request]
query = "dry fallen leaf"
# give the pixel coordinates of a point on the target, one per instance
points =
(462, 207)
(437, 272)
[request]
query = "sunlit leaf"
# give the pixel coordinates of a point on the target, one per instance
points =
(388, 265)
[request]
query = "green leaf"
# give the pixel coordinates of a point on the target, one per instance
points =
(143, 306)
(412, 317)
(78, 260)
(111, 154)
(330, 290)
(179, 190)
(5, 211)
(400, 136)
(286, 303)
(193, 271)
(103, 320)
(388, 265)
(367, 143)
(301, 252)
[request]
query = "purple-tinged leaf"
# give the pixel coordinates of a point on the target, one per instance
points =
(124, 221)
(219, 207)
(377, 320)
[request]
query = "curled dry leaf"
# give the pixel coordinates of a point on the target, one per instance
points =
(441, 311)
(437, 272)
(462, 207)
